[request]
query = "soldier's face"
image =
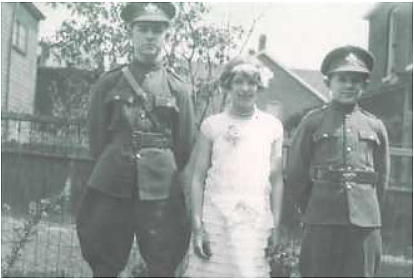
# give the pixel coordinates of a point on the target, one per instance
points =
(244, 91)
(148, 39)
(347, 87)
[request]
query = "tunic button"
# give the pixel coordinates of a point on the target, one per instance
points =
(116, 97)
(349, 149)
(138, 156)
(348, 186)
(325, 135)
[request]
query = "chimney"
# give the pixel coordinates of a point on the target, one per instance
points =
(262, 43)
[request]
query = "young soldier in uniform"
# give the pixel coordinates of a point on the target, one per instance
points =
(141, 132)
(337, 170)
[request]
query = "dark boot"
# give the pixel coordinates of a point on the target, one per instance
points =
(102, 271)
(160, 271)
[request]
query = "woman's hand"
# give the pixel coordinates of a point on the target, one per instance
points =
(201, 244)
(198, 165)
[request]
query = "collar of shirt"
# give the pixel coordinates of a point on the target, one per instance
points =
(140, 69)
(345, 108)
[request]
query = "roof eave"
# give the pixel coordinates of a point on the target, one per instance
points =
(295, 76)
(34, 10)
(372, 11)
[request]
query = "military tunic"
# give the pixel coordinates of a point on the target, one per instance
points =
(140, 147)
(114, 113)
(338, 168)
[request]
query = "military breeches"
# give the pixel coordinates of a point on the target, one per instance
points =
(340, 251)
(106, 228)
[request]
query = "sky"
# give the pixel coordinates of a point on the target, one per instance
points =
(299, 34)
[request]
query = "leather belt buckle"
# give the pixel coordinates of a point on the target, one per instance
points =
(137, 139)
(343, 175)
(142, 140)
(348, 176)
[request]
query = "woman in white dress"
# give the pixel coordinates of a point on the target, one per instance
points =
(236, 185)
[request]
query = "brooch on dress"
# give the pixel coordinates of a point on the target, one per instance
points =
(232, 135)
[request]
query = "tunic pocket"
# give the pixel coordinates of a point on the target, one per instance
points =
(166, 102)
(367, 141)
(166, 108)
(369, 137)
(113, 172)
(326, 143)
(156, 171)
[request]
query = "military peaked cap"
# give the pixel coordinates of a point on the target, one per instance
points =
(148, 11)
(348, 59)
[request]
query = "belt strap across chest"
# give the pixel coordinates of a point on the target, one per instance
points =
(142, 96)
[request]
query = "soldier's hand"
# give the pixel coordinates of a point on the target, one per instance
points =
(201, 244)
(275, 237)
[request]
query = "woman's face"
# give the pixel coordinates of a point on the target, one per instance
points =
(244, 91)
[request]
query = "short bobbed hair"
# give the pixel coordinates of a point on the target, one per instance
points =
(245, 65)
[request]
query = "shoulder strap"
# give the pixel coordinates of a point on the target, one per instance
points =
(142, 95)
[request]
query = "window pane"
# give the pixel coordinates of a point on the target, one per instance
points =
(401, 172)
(16, 28)
(20, 36)
(23, 38)
(392, 41)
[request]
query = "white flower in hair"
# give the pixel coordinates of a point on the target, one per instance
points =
(246, 68)
(265, 75)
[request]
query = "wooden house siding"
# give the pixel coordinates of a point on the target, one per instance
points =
(379, 36)
(19, 64)
(6, 20)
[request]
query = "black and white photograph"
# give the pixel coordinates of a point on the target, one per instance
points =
(207, 139)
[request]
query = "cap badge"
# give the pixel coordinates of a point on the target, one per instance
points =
(353, 59)
(151, 8)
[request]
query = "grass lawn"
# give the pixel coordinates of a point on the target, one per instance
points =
(396, 267)
(53, 252)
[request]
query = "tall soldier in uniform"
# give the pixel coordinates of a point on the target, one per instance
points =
(338, 168)
(141, 128)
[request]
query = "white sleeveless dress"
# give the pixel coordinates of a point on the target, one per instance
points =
(236, 207)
